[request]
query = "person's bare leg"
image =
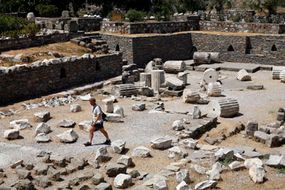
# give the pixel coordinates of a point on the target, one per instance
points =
(104, 132)
(91, 135)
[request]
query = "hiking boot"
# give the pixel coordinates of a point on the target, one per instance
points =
(87, 144)
(108, 142)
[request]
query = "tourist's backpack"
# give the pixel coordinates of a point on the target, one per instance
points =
(104, 116)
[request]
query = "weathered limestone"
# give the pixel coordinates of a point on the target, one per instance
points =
(276, 161)
(141, 151)
(174, 83)
(282, 76)
(97, 178)
(236, 165)
(75, 108)
(119, 110)
(248, 163)
(138, 107)
(183, 76)
(112, 169)
(43, 128)
(11, 134)
(20, 124)
(257, 174)
(31, 16)
(190, 96)
(124, 90)
(251, 127)
(174, 66)
(122, 181)
(125, 160)
(85, 125)
(178, 125)
(176, 153)
(276, 70)
(68, 136)
(157, 78)
(205, 185)
(161, 143)
(183, 186)
(214, 89)
(42, 138)
(118, 146)
(210, 75)
(66, 123)
(183, 175)
(42, 116)
(102, 155)
(196, 114)
(108, 104)
(146, 79)
(227, 107)
(201, 57)
(243, 75)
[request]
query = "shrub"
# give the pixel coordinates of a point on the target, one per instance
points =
(47, 10)
(134, 15)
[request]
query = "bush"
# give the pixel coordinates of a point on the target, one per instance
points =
(134, 15)
(14, 27)
(47, 10)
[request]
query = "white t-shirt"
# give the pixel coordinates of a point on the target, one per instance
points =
(95, 111)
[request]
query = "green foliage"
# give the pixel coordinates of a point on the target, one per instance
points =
(263, 5)
(134, 15)
(47, 10)
(236, 18)
(14, 27)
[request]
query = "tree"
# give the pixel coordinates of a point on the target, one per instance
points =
(269, 6)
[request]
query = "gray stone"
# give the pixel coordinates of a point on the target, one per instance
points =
(214, 173)
(138, 107)
(118, 146)
(261, 136)
(122, 181)
(31, 16)
(103, 186)
(102, 155)
(161, 143)
(160, 185)
(248, 163)
(53, 174)
(42, 181)
(68, 136)
(113, 169)
(85, 125)
(141, 151)
(17, 163)
(134, 173)
(23, 174)
(75, 108)
(66, 123)
(125, 160)
(174, 83)
(42, 138)
(189, 143)
(196, 113)
(58, 160)
(178, 125)
(11, 134)
(206, 184)
(42, 116)
(199, 169)
(257, 174)
(20, 124)
(97, 178)
(119, 110)
(276, 161)
(243, 75)
(236, 165)
(183, 175)
(251, 127)
(23, 184)
(224, 153)
(183, 186)
(43, 128)
(176, 153)
(190, 96)
(274, 141)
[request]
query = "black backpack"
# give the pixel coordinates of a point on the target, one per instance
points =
(104, 116)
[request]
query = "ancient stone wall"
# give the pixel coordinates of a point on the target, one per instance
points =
(262, 49)
(149, 27)
(20, 43)
(44, 77)
(242, 27)
(141, 49)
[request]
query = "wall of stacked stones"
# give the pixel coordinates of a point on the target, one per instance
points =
(260, 49)
(149, 27)
(141, 49)
(84, 24)
(44, 77)
(242, 27)
(20, 43)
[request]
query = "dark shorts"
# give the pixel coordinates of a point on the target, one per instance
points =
(98, 126)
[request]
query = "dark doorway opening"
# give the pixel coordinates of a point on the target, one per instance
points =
(274, 48)
(117, 47)
(231, 48)
(62, 73)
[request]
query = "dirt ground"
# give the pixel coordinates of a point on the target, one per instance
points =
(139, 128)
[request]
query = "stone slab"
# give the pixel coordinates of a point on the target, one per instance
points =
(231, 66)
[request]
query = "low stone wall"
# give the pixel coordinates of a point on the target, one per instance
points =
(20, 43)
(45, 77)
(221, 26)
(149, 27)
(83, 24)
